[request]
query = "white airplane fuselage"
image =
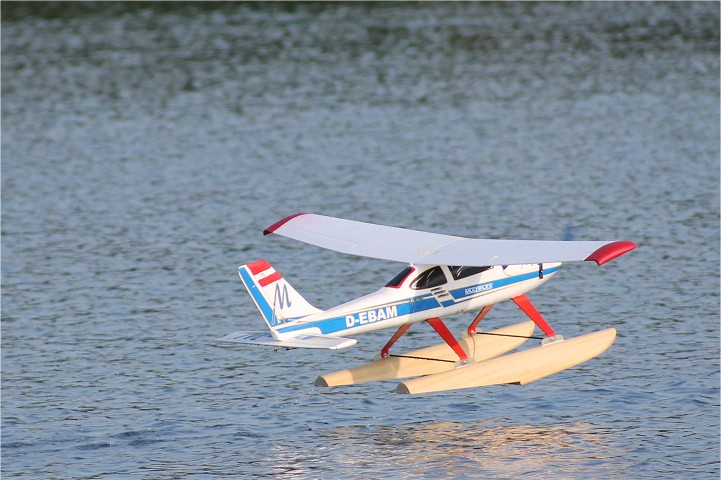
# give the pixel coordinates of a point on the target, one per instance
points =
(418, 293)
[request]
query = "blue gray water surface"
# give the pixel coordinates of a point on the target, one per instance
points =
(146, 146)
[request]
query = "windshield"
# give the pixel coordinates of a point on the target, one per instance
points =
(463, 272)
(398, 279)
(432, 277)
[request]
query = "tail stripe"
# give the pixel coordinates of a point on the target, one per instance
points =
(258, 267)
(270, 279)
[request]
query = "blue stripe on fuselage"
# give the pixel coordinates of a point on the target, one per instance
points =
(473, 290)
(364, 317)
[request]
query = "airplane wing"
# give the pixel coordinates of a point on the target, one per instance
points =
(413, 246)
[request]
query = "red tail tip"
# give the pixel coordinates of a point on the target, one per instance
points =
(258, 267)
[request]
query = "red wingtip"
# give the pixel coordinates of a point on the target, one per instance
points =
(610, 251)
(280, 223)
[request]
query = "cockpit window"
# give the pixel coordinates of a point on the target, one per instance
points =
(463, 272)
(432, 277)
(400, 278)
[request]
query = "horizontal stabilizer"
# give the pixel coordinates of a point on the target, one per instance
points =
(301, 341)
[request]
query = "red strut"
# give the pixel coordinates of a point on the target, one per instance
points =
(446, 335)
(531, 311)
(481, 315)
(399, 333)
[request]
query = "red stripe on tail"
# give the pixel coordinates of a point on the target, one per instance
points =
(258, 267)
(270, 279)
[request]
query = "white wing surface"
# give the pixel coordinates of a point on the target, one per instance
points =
(413, 246)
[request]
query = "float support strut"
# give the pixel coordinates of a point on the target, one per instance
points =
(399, 333)
(448, 337)
(481, 315)
(526, 305)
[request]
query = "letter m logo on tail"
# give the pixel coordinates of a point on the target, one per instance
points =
(281, 299)
(276, 299)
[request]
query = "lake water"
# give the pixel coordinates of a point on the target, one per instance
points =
(146, 146)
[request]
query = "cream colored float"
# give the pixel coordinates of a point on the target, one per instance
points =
(435, 359)
(519, 368)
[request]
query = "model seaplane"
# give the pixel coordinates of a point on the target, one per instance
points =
(446, 275)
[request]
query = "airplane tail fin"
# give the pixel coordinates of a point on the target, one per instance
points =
(276, 299)
(278, 302)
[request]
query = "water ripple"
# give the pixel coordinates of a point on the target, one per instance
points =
(146, 146)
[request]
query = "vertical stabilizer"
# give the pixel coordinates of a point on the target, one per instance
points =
(276, 299)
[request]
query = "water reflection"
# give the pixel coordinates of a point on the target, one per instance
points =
(486, 448)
